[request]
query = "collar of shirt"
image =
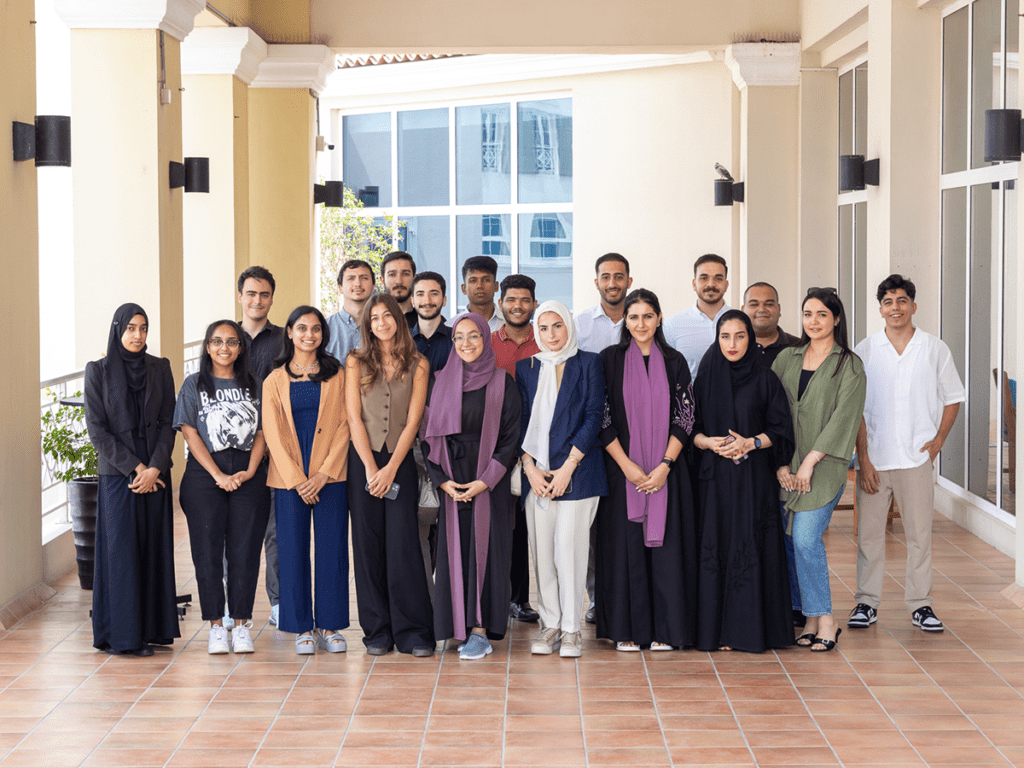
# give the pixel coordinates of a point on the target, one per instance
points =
(696, 309)
(783, 340)
(885, 341)
(504, 337)
(440, 332)
(269, 327)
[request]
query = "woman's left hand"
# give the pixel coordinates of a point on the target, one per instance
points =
(560, 479)
(738, 448)
(380, 482)
(470, 490)
(656, 479)
(309, 491)
(146, 481)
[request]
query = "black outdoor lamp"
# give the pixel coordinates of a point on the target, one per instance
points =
(330, 193)
(193, 174)
(48, 141)
(1002, 135)
(727, 190)
(855, 172)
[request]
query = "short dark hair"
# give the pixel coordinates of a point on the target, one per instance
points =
(611, 257)
(354, 264)
(761, 285)
(435, 276)
(895, 283)
(257, 273)
(524, 282)
(710, 257)
(397, 256)
(480, 264)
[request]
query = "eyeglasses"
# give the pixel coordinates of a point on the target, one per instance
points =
(473, 338)
(217, 343)
(816, 289)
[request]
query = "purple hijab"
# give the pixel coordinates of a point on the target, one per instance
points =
(646, 396)
(443, 418)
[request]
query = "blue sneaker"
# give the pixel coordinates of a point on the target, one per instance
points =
(477, 646)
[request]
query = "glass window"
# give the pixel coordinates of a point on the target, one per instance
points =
(423, 157)
(954, 318)
(846, 255)
(1012, 53)
(986, 72)
(366, 143)
(846, 113)
(545, 254)
(1008, 393)
(486, 235)
(545, 151)
(860, 143)
(860, 261)
(955, 74)
(983, 334)
(483, 153)
(428, 240)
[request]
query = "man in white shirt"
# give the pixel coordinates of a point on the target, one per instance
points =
(692, 331)
(601, 325)
(355, 284)
(479, 284)
(914, 395)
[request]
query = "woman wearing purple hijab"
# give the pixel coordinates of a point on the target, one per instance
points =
(471, 433)
(646, 540)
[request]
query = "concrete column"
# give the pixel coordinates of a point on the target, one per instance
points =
(217, 65)
(21, 551)
(126, 129)
(768, 77)
(904, 102)
(282, 163)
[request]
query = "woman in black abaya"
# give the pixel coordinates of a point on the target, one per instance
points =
(745, 430)
(129, 406)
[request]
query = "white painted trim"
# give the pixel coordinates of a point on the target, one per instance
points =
(853, 197)
(768, 64)
(296, 66)
(465, 71)
(175, 17)
(988, 174)
(234, 51)
(979, 517)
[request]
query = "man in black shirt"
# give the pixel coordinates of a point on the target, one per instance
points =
(431, 333)
(761, 303)
(397, 270)
(256, 296)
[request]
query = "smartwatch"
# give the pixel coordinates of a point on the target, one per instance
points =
(667, 462)
(757, 443)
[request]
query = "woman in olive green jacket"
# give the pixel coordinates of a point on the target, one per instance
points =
(825, 383)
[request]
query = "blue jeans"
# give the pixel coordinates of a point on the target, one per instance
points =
(808, 564)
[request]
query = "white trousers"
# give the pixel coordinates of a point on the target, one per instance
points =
(560, 545)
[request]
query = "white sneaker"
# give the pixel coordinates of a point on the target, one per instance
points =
(274, 614)
(241, 640)
(218, 640)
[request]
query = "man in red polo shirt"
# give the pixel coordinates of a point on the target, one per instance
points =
(512, 342)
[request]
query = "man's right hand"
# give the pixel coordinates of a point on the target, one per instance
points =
(867, 476)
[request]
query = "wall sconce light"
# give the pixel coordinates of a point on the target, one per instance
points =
(855, 172)
(1003, 135)
(193, 174)
(727, 190)
(48, 141)
(330, 193)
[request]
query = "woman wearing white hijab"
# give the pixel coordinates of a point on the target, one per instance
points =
(563, 404)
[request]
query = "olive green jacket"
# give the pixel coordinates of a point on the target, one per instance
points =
(825, 419)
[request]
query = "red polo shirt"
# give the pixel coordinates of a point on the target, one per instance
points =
(508, 353)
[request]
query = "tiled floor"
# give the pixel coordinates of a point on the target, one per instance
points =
(890, 695)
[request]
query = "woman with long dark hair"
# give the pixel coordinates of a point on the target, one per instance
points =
(306, 429)
(224, 492)
(825, 385)
(472, 435)
(745, 431)
(646, 542)
(385, 392)
(129, 404)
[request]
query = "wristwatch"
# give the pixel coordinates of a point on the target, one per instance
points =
(757, 443)
(667, 462)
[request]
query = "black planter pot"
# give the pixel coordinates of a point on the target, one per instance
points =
(82, 504)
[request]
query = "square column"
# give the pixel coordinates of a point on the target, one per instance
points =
(768, 76)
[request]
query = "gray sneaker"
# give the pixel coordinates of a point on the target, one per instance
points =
(548, 641)
(572, 645)
(862, 616)
(477, 646)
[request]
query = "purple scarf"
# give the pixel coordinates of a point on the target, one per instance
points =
(443, 418)
(646, 399)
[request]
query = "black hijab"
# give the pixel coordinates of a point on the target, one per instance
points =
(126, 376)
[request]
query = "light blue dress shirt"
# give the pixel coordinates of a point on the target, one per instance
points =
(344, 334)
(595, 330)
(691, 332)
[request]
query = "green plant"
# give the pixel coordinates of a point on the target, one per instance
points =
(66, 442)
(346, 234)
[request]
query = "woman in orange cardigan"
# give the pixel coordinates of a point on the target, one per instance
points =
(306, 430)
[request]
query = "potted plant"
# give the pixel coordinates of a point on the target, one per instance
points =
(72, 460)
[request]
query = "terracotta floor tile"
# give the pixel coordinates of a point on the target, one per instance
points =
(466, 740)
(379, 757)
(128, 757)
(198, 758)
(945, 755)
(628, 756)
(699, 739)
(1014, 738)
(794, 755)
(379, 723)
(805, 738)
(621, 739)
(879, 740)
(858, 755)
(216, 740)
(482, 723)
(545, 739)
(698, 722)
(543, 756)
(46, 758)
(232, 724)
(472, 757)
(712, 756)
(308, 757)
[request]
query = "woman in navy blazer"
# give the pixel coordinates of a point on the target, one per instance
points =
(563, 403)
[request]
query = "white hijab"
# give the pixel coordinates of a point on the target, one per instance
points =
(536, 441)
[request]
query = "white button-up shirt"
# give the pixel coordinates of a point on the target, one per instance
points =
(344, 334)
(692, 332)
(595, 330)
(906, 396)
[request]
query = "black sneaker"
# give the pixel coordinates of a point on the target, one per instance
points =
(926, 619)
(862, 616)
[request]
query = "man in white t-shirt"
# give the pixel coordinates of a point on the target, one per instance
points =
(914, 395)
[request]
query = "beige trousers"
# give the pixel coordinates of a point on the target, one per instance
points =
(914, 491)
(560, 545)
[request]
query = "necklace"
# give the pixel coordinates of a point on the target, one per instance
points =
(313, 367)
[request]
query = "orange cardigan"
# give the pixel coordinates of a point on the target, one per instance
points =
(330, 444)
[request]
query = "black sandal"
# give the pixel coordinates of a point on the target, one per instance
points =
(809, 637)
(828, 644)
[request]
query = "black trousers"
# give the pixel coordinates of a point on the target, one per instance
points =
(223, 524)
(391, 584)
(519, 574)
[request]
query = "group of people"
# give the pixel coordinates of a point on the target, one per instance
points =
(681, 471)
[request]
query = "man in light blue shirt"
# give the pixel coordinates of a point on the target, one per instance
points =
(355, 284)
(601, 325)
(692, 331)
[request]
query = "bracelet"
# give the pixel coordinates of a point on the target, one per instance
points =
(574, 459)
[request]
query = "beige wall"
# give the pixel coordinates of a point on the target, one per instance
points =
(21, 541)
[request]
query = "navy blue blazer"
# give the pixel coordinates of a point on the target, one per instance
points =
(579, 409)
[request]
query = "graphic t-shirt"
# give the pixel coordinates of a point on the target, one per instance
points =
(229, 419)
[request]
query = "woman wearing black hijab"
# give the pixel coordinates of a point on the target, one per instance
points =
(745, 430)
(129, 406)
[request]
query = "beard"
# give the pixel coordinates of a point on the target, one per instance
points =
(613, 302)
(711, 295)
(511, 322)
(422, 313)
(399, 293)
